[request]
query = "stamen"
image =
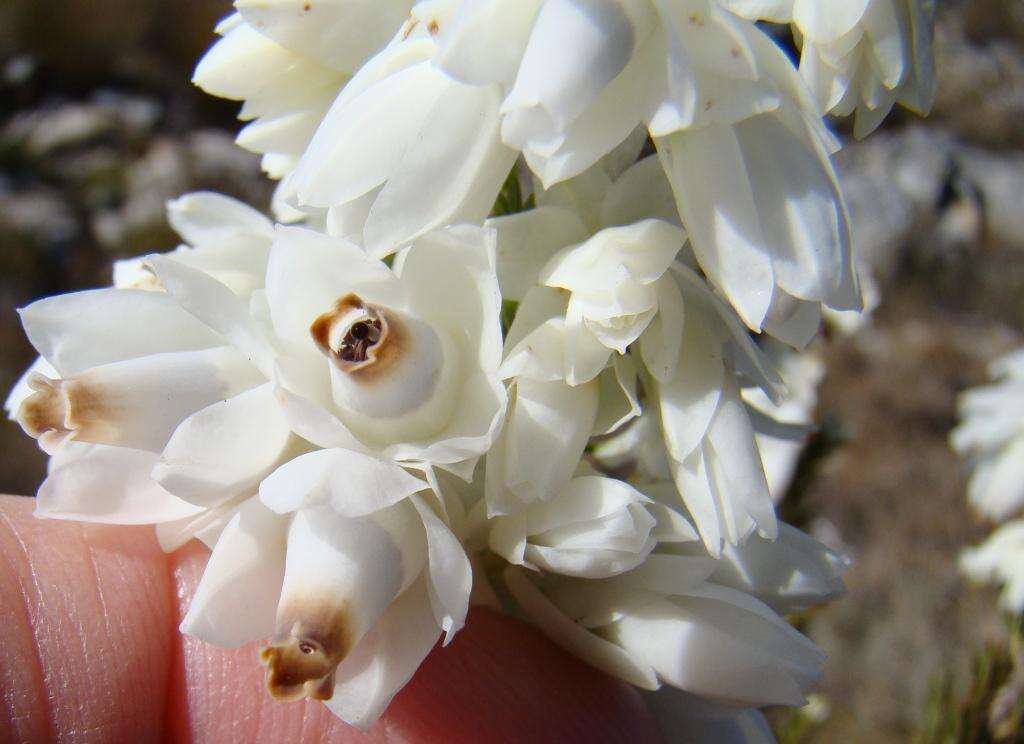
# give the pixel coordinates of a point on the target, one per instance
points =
(352, 333)
(360, 337)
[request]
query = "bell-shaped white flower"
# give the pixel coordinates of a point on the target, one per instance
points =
(665, 623)
(739, 135)
(1000, 560)
(350, 574)
(990, 438)
(288, 60)
(863, 56)
(595, 528)
(399, 130)
(690, 343)
(789, 574)
(125, 370)
(403, 362)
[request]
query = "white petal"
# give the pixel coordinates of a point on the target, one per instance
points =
(22, 389)
(451, 577)
(353, 484)
(236, 599)
(339, 33)
(789, 575)
(217, 307)
(84, 329)
(576, 639)
(385, 659)
(341, 573)
(618, 401)
(485, 41)
(205, 218)
(462, 170)
(225, 449)
(661, 343)
(525, 243)
(556, 80)
(109, 485)
(308, 272)
(364, 135)
(136, 403)
(545, 436)
(714, 197)
(689, 400)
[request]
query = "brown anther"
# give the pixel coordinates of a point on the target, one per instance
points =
(360, 337)
(301, 662)
(433, 28)
(369, 345)
(45, 410)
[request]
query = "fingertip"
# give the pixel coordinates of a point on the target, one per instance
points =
(85, 646)
(499, 680)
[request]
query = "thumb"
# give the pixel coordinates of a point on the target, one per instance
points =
(92, 651)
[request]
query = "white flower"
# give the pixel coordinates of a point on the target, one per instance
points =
(224, 238)
(734, 124)
(685, 717)
(288, 59)
(990, 438)
(689, 342)
(173, 405)
(1000, 559)
(351, 574)
(595, 528)
(665, 623)
(403, 149)
(789, 574)
(860, 56)
(761, 202)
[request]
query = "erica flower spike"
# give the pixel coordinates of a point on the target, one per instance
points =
(400, 398)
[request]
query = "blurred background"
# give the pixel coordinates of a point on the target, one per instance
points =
(99, 126)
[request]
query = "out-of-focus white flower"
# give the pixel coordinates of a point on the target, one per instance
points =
(595, 528)
(1000, 559)
(664, 622)
(688, 718)
(224, 238)
(782, 428)
(789, 574)
(990, 437)
(860, 56)
(288, 60)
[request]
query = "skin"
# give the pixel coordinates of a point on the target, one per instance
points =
(91, 653)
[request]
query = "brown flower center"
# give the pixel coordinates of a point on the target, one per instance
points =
(360, 337)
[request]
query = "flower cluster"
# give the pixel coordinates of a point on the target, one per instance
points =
(990, 438)
(498, 339)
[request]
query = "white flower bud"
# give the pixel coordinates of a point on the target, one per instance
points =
(341, 573)
(595, 528)
(392, 376)
(126, 403)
